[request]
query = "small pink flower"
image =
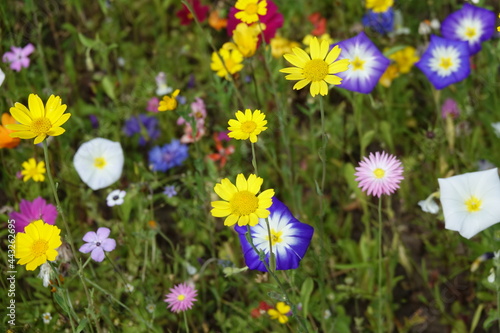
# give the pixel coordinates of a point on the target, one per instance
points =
(18, 57)
(97, 243)
(181, 297)
(450, 108)
(153, 104)
(379, 174)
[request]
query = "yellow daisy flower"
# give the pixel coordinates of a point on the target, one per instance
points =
(37, 244)
(248, 125)
(405, 59)
(379, 6)
(250, 10)
(169, 103)
(33, 170)
(38, 122)
(245, 39)
(280, 312)
(232, 59)
(242, 205)
(317, 69)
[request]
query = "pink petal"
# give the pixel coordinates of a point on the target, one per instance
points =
(97, 254)
(87, 247)
(108, 245)
(27, 50)
(90, 237)
(102, 234)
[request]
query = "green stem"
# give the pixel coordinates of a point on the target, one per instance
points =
(272, 257)
(379, 291)
(71, 315)
(254, 159)
(185, 321)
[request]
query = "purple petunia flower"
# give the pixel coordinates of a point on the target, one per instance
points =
(146, 126)
(18, 57)
(97, 243)
(367, 64)
(445, 61)
(168, 156)
(37, 209)
(471, 24)
(290, 239)
(383, 23)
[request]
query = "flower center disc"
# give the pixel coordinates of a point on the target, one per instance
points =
(473, 204)
(276, 236)
(445, 63)
(39, 247)
(357, 64)
(248, 126)
(244, 203)
(251, 9)
(378, 173)
(99, 162)
(181, 297)
(470, 32)
(316, 70)
(40, 125)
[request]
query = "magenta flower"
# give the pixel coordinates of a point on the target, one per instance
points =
(97, 243)
(31, 211)
(153, 104)
(181, 297)
(450, 108)
(379, 174)
(18, 57)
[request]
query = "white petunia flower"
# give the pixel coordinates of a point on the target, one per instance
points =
(471, 201)
(429, 205)
(115, 198)
(99, 162)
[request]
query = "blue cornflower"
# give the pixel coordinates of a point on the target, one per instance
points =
(170, 191)
(166, 157)
(146, 126)
(382, 23)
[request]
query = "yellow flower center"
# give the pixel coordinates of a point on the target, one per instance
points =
(445, 63)
(99, 162)
(39, 247)
(275, 236)
(251, 9)
(244, 203)
(473, 204)
(357, 64)
(378, 173)
(248, 126)
(40, 125)
(315, 70)
(181, 297)
(33, 172)
(470, 32)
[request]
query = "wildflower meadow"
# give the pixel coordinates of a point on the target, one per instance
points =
(250, 166)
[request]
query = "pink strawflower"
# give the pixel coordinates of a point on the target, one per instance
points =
(153, 104)
(97, 243)
(181, 298)
(379, 174)
(18, 57)
(31, 211)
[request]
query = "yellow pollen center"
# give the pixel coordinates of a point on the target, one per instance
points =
(473, 204)
(315, 70)
(39, 247)
(248, 126)
(470, 32)
(275, 236)
(357, 64)
(251, 9)
(445, 63)
(378, 173)
(181, 297)
(99, 162)
(40, 125)
(244, 203)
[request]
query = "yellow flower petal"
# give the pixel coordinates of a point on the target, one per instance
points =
(315, 48)
(301, 84)
(241, 183)
(35, 105)
(231, 220)
(243, 220)
(20, 115)
(333, 54)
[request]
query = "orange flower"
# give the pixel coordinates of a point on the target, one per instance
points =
(319, 23)
(5, 140)
(216, 22)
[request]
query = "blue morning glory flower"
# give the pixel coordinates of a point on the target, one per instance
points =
(168, 156)
(290, 239)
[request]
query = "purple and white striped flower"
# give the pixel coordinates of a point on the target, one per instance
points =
(445, 61)
(290, 239)
(367, 64)
(471, 24)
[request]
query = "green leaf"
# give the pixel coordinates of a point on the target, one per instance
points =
(385, 131)
(367, 139)
(87, 42)
(82, 325)
(108, 87)
(476, 318)
(305, 294)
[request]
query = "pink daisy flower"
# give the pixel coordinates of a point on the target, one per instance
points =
(31, 211)
(181, 297)
(379, 174)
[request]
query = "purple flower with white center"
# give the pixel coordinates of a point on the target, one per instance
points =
(170, 191)
(450, 109)
(471, 24)
(445, 61)
(168, 156)
(31, 211)
(367, 64)
(383, 23)
(18, 57)
(290, 239)
(146, 127)
(97, 243)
